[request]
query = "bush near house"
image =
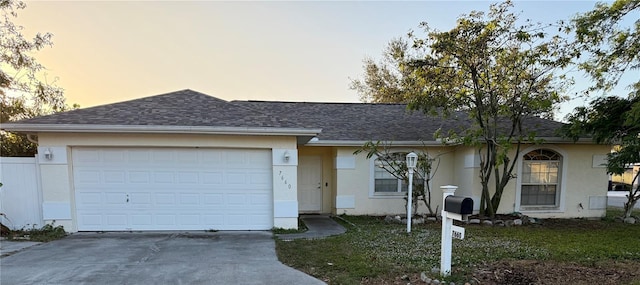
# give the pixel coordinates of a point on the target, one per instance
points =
(46, 233)
(572, 251)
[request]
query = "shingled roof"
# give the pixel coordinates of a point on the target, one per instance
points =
(329, 122)
(386, 122)
(180, 108)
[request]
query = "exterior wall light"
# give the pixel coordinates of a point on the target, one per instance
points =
(48, 155)
(286, 156)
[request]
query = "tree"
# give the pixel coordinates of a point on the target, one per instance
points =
(22, 93)
(394, 162)
(612, 120)
(606, 50)
(496, 70)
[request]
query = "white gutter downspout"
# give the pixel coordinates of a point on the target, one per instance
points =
(32, 139)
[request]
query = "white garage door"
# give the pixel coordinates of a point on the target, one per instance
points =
(172, 189)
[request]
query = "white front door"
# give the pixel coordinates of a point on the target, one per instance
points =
(310, 183)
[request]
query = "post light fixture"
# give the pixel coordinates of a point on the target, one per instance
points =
(286, 156)
(48, 155)
(412, 161)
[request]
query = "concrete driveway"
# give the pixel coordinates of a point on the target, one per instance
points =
(152, 258)
(618, 198)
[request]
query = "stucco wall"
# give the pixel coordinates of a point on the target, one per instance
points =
(583, 193)
(586, 182)
(57, 181)
(162, 140)
(354, 184)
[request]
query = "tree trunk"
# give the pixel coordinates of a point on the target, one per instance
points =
(632, 197)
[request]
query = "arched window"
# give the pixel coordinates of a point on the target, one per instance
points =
(541, 178)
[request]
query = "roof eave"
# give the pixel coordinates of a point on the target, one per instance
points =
(549, 140)
(144, 129)
(362, 142)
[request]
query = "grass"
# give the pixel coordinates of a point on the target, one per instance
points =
(301, 229)
(374, 249)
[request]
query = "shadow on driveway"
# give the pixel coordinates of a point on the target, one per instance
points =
(152, 258)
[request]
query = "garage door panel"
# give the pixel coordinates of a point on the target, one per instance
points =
(213, 220)
(115, 198)
(138, 156)
(111, 156)
(91, 220)
(165, 199)
(140, 220)
(173, 189)
(139, 177)
(212, 177)
(163, 177)
(188, 177)
(89, 198)
(114, 176)
(189, 199)
(89, 177)
(116, 220)
(141, 199)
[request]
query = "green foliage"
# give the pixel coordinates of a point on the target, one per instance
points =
(374, 250)
(607, 50)
(23, 94)
(301, 229)
(497, 71)
(16, 145)
(46, 233)
(605, 47)
(611, 120)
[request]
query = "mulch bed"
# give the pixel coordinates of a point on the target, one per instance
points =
(549, 272)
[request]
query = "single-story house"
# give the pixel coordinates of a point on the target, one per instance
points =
(188, 161)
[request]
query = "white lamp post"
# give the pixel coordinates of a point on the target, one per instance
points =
(412, 161)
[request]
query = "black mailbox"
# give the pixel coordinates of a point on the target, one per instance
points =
(458, 205)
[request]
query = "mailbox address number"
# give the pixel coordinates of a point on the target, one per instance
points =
(457, 232)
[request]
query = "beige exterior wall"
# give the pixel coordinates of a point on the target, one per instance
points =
(57, 181)
(355, 183)
(347, 179)
(583, 192)
(466, 173)
(162, 140)
(585, 182)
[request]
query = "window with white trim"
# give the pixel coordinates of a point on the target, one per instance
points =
(385, 183)
(540, 185)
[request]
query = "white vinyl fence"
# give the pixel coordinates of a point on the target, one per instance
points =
(20, 195)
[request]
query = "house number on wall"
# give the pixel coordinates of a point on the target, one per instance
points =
(283, 179)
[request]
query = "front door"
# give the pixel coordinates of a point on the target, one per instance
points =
(310, 183)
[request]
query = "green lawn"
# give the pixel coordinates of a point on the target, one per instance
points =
(374, 249)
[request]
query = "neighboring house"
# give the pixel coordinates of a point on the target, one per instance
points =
(188, 161)
(627, 177)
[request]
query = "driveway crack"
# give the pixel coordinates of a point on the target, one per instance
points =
(154, 248)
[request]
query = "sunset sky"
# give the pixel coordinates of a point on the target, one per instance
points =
(106, 52)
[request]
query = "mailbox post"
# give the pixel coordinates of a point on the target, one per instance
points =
(453, 208)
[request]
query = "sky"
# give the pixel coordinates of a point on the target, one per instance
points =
(106, 52)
